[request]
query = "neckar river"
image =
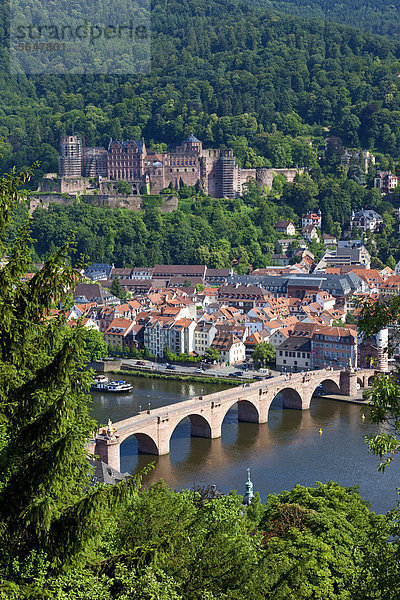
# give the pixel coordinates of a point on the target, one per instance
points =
(287, 450)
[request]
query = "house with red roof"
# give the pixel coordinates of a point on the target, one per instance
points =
(312, 219)
(161, 331)
(230, 348)
(334, 346)
(117, 334)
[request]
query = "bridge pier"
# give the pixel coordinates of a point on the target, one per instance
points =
(163, 445)
(348, 383)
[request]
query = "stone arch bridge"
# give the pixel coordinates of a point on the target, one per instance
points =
(153, 428)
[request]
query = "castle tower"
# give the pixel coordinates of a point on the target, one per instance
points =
(71, 156)
(191, 144)
(225, 171)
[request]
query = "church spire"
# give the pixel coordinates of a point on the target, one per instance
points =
(249, 495)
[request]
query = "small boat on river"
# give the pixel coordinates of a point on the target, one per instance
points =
(117, 387)
(100, 379)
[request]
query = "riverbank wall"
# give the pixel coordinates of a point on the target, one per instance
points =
(177, 377)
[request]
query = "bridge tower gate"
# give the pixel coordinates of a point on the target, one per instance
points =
(108, 451)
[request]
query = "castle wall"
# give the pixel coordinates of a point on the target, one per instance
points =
(243, 177)
(266, 176)
(177, 170)
(129, 202)
(188, 164)
(74, 185)
(110, 188)
(50, 183)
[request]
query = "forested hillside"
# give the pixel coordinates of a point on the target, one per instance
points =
(374, 16)
(238, 75)
(218, 233)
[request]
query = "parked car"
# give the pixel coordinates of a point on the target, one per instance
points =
(140, 362)
(199, 370)
(258, 378)
(171, 367)
(238, 374)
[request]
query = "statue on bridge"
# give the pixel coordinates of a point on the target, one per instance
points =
(110, 429)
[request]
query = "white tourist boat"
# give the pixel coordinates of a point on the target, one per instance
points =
(100, 379)
(112, 386)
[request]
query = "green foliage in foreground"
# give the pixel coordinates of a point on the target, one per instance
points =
(49, 517)
(93, 345)
(311, 543)
(385, 392)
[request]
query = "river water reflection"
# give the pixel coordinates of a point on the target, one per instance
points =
(281, 453)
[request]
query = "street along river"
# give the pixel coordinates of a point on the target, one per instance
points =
(287, 450)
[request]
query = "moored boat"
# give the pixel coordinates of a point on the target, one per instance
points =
(113, 387)
(100, 379)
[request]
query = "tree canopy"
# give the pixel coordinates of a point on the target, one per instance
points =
(263, 353)
(49, 511)
(385, 392)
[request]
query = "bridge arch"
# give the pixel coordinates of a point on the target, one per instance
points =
(146, 444)
(371, 380)
(326, 386)
(199, 426)
(290, 398)
(248, 411)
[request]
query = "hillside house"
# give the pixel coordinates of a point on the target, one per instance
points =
(366, 220)
(286, 227)
(312, 219)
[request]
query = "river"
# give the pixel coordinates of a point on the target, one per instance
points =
(286, 451)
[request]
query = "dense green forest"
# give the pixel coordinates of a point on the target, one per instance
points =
(238, 75)
(263, 83)
(374, 16)
(218, 233)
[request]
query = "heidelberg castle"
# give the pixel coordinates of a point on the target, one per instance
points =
(214, 170)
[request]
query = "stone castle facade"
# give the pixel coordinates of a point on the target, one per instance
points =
(214, 170)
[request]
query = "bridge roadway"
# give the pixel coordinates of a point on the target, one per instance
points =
(153, 428)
